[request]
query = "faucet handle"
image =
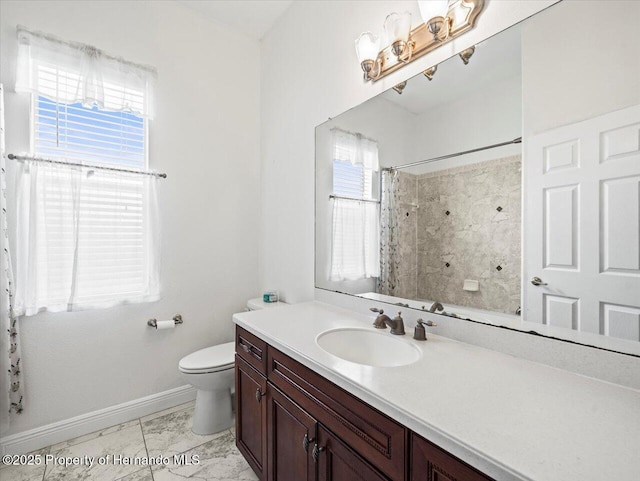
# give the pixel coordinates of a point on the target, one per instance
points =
(419, 333)
(398, 325)
(375, 309)
(427, 323)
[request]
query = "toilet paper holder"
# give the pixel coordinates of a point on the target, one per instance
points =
(154, 322)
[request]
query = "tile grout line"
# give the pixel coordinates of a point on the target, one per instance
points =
(144, 440)
(44, 472)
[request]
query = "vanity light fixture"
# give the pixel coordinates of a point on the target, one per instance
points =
(430, 72)
(466, 54)
(443, 20)
(397, 29)
(367, 46)
(400, 87)
(435, 16)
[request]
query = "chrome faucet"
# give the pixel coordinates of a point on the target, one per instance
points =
(382, 321)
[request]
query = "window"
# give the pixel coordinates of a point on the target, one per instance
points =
(88, 235)
(355, 229)
(355, 181)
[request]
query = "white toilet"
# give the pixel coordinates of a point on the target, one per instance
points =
(211, 372)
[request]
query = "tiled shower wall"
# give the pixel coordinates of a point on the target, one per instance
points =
(467, 226)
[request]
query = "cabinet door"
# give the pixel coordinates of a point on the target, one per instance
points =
(336, 462)
(430, 463)
(290, 440)
(251, 416)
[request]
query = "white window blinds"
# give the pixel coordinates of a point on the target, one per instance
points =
(87, 238)
(355, 228)
(79, 133)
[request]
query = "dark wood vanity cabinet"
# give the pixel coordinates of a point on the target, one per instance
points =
(251, 416)
(292, 434)
(293, 424)
(336, 461)
(430, 463)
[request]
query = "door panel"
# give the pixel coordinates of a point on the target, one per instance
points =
(561, 235)
(582, 225)
(621, 321)
(561, 311)
(621, 225)
(291, 436)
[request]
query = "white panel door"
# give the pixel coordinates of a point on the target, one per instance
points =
(582, 226)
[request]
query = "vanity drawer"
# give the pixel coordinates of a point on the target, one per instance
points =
(252, 349)
(377, 438)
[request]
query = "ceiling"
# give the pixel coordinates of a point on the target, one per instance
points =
(498, 57)
(249, 17)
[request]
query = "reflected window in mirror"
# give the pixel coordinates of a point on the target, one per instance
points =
(355, 216)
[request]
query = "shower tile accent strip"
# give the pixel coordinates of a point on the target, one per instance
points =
(165, 433)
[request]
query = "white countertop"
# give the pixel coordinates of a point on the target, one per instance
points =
(508, 417)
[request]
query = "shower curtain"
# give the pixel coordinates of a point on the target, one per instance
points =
(389, 232)
(11, 398)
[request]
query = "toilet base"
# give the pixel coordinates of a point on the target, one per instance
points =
(212, 412)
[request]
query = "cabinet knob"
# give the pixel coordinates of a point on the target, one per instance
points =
(316, 452)
(305, 442)
(259, 394)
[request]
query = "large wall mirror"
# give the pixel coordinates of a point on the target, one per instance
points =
(505, 190)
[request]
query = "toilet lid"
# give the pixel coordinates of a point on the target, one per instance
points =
(213, 357)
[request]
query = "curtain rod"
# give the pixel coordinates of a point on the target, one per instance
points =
(332, 196)
(76, 164)
(457, 154)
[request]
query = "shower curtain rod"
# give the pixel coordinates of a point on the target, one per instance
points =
(76, 164)
(457, 154)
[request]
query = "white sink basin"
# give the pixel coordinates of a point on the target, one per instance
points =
(368, 347)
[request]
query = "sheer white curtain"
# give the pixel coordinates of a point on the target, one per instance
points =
(354, 250)
(354, 148)
(87, 238)
(91, 77)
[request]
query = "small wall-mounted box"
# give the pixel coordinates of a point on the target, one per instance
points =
(471, 285)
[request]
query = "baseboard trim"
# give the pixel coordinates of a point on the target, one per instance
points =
(38, 438)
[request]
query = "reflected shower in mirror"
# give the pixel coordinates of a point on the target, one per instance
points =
(503, 185)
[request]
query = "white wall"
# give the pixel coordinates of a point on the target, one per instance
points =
(206, 137)
(390, 126)
(486, 116)
(557, 84)
(310, 73)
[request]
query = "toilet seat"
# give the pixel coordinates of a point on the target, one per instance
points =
(210, 359)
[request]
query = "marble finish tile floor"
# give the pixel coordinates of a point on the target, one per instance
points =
(159, 436)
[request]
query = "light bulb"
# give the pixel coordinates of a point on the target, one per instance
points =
(367, 46)
(433, 8)
(397, 27)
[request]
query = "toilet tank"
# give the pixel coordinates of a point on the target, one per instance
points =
(257, 304)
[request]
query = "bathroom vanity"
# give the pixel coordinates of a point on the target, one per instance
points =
(457, 412)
